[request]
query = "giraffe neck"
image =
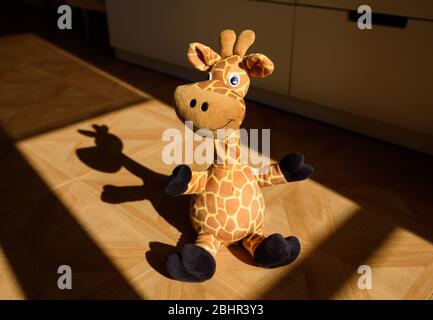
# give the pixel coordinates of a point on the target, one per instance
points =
(228, 151)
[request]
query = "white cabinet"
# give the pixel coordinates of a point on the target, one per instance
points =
(385, 73)
(163, 29)
(408, 8)
(378, 82)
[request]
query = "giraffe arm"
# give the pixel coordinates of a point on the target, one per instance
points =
(291, 168)
(197, 183)
(184, 181)
(269, 176)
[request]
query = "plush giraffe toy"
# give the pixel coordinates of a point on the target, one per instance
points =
(227, 204)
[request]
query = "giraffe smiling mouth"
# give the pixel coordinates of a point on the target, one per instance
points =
(227, 123)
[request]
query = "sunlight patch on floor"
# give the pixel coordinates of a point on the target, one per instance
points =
(10, 288)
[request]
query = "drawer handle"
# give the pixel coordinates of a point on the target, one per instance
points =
(381, 19)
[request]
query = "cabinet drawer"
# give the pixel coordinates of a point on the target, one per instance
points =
(422, 9)
(385, 73)
(162, 30)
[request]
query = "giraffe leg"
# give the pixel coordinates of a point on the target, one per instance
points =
(252, 241)
(194, 262)
(273, 251)
(208, 242)
(276, 251)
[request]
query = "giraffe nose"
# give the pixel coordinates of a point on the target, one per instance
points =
(204, 106)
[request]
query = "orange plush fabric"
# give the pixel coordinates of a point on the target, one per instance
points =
(227, 204)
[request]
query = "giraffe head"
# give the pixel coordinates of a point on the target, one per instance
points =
(218, 103)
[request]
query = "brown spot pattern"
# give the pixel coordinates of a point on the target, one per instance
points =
(229, 204)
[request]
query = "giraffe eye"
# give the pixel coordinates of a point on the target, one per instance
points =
(234, 79)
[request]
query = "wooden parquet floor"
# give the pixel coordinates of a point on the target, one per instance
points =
(369, 202)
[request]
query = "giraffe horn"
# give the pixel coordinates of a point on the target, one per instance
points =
(227, 40)
(245, 40)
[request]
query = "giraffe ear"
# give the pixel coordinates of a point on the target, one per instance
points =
(202, 57)
(258, 65)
